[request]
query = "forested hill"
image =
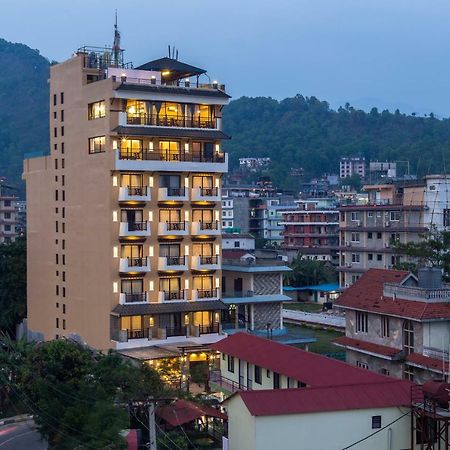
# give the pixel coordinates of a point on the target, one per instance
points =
(23, 107)
(296, 132)
(305, 132)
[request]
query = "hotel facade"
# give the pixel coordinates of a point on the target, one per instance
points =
(124, 214)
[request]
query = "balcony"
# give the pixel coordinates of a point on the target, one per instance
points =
(141, 265)
(172, 263)
(135, 297)
(134, 194)
(205, 294)
(179, 121)
(172, 229)
(138, 229)
(205, 194)
(172, 296)
(206, 228)
(201, 262)
(173, 194)
(162, 160)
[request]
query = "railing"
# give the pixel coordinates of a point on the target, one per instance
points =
(138, 334)
(177, 83)
(173, 295)
(176, 192)
(437, 295)
(209, 225)
(257, 262)
(209, 259)
(176, 331)
(209, 192)
(170, 121)
(208, 329)
(206, 293)
(166, 155)
(137, 226)
(135, 297)
(138, 191)
(137, 262)
(176, 226)
(175, 260)
(226, 383)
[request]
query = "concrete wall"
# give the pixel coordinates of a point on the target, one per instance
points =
(316, 431)
(264, 313)
(267, 283)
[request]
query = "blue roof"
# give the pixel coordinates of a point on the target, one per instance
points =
(326, 287)
(256, 299)
(255, 269)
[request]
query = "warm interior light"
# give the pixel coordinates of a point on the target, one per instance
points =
(150, 251)
(115, 252)
(151, 286)
(186, 250)
(165, 73)
(132, 110)
(150, 216)
(115, 287)
(186, 216)
(114, 180)
(186, 284)
(114, 216)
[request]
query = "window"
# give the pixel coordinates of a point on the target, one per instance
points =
(268, 373)
(379, 257)
(384, 371)
(355, 237)
(258, 375)
(230, 363)
(224, 356)
(446, 214)
(408, 337)
(96, 110)
(62, 116)
(237, 244)
(300, 384)
(54, 99)
(57, 322)
(62, 131)
(376, 422)
(362, 365)
(55, 132)
(384, 326)
(369, 235)
(354, 216)
(370, 256)
(370, 214)
(361, 322)
(64, 324)
(276, 380)
(379, 236)
(7, 215)
(97, 144)
(62, 98)
(395, 237)
(408, 372)
(356, 257)
(7, 227)
(394, 216)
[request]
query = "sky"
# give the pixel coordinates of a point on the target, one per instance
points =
(384, 53)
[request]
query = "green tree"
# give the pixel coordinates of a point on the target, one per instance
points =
(78, 397)
(433, 250)
(307, 272)
(13, 290)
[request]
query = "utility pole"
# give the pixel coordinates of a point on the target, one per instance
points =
(151, 424)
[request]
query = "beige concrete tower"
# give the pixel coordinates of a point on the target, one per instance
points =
(124, 215)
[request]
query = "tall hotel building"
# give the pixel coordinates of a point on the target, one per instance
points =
(124, 215)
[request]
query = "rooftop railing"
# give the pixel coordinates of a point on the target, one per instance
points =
(188, 121)
(169, 156)
(417, 293)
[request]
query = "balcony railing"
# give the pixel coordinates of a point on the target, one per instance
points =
(211, 262)
(170, 156)
(137, 191)
(176, 226)
(134, 229)
(206, 293)
(173, 295)
(208, 329)
(134, 264)
(176, 331)
(176, 192)
(209, 259)
(208, 228)
(137, 262)
(180, 121)
(135, 297)
(138, 334)
(175, 260)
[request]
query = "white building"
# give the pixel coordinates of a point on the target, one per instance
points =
(227, 212)
(238, 241)
(352, 166)
(437, 201)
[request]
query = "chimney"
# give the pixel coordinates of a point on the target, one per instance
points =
(430, 278)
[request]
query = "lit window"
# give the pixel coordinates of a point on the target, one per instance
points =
(97, 144)
(96, 110)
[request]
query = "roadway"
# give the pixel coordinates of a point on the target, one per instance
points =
(21, 436)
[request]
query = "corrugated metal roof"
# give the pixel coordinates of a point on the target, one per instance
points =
(163, 308)
(368, 347)
(389, 393)
(172, 132)
(310, 368)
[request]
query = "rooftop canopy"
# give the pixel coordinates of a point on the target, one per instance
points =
(172, 69)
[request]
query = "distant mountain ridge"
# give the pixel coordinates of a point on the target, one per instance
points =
(23, 107)
(295, 132)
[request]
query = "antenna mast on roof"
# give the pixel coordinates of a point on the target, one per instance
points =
(116, 45)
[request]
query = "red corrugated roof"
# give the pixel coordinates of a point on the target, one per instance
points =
(234, 254)
(307, 367)
(367, 346)
(426, 361)
(367, 295)
(390, 393)
(183, 411)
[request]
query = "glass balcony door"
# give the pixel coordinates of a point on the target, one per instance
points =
(131, 148)
(131, 180)
(202, 215)
(132, 215)
(132, 251)
(204, 181)
(133, 286)
(170, 151)
(170, 215)
(202, 249)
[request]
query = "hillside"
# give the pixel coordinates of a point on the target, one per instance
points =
(24, 107)
(305, 132)
(295, 132)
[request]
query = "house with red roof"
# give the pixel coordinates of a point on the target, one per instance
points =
(398, 324)
(291, 399)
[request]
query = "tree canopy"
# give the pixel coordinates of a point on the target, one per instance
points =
(307, 272)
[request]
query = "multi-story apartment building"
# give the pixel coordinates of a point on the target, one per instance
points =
(227, 211)
(366, 232)
(352, 166)
(312, 232)
(124, 215)
(8, 215)
(398, 324)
